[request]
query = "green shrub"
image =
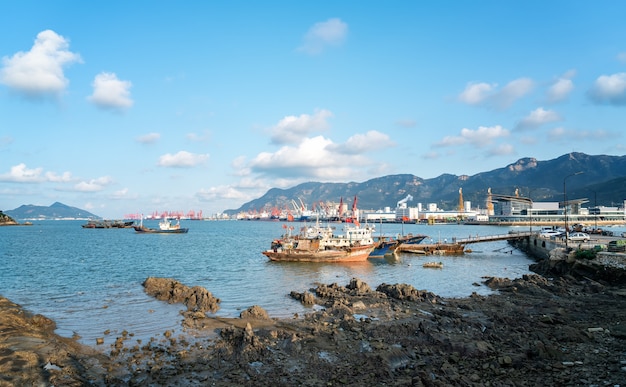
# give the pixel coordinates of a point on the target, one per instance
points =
(585, 254)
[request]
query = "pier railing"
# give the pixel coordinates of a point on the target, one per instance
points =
(491, 238)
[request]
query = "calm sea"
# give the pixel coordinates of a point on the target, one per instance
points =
(89, 280)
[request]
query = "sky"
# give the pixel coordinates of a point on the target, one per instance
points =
(128, 107)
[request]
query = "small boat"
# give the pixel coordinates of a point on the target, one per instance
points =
(433, 265)
(386, 245)
(165, 227)
(320, 244)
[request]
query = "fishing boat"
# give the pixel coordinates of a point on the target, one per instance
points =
(165, 227)
(433, 265)
(388, 245)
(321, 244)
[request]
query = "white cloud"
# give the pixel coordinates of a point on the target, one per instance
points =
(609, 89)
(65, 177)
(312, 158)
(484, 135)
(329, 33)
(476, 93)
(182, 159)
(561, 88)
(123, 194)
(93, 185)
(110, 93)
(149, 138)
(360, 143)
(21, 174)
(39, 72)
(488, 94)
(513, 91)
(537, 118)
(292, 129)
(222, 192)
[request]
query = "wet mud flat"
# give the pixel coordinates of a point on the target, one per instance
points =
(553, 329)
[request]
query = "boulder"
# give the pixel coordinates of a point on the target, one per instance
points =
(196, 299)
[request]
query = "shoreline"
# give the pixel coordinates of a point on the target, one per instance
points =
(567, 330)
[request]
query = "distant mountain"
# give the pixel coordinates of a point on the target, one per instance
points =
(603, 179)
(55, 211)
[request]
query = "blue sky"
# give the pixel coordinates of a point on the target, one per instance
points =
(124, 107)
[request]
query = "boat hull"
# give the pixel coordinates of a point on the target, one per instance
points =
(351, 254)
(386, 247)
(146, 230)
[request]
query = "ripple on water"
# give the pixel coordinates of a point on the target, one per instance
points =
(89, 281)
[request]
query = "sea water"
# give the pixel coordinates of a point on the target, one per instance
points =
(90, 280)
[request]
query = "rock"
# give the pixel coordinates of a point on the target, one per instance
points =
(359, 286)
(255, 312)
(195, 299)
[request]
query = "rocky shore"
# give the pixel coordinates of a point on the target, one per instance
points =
(564, 326)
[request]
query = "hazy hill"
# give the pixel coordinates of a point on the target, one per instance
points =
(55, 211)
(603, 180)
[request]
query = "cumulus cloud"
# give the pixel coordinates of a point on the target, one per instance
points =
(221, 192)
(360, 143)
(480, 137)
(182, 159)
(110, 93)
(561, 88)
(93, 185)
(312, 158)
(21, 174)
(149, 138)
(322, 35)
(65, 177)
(537, 118)
(609, 89)
(476, 93)
(513, 91)
(39, 71)
(292, 129)
(489, 95)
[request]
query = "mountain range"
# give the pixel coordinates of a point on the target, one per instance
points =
(55, 211)
(602, 182)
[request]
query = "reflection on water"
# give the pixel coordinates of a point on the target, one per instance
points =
(89, 280)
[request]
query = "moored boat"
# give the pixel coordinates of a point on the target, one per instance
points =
(433, 265)
(386, 245)
(165, 227)
(311, 254)
(320, 244)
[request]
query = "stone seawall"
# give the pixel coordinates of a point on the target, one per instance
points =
(581, 260)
